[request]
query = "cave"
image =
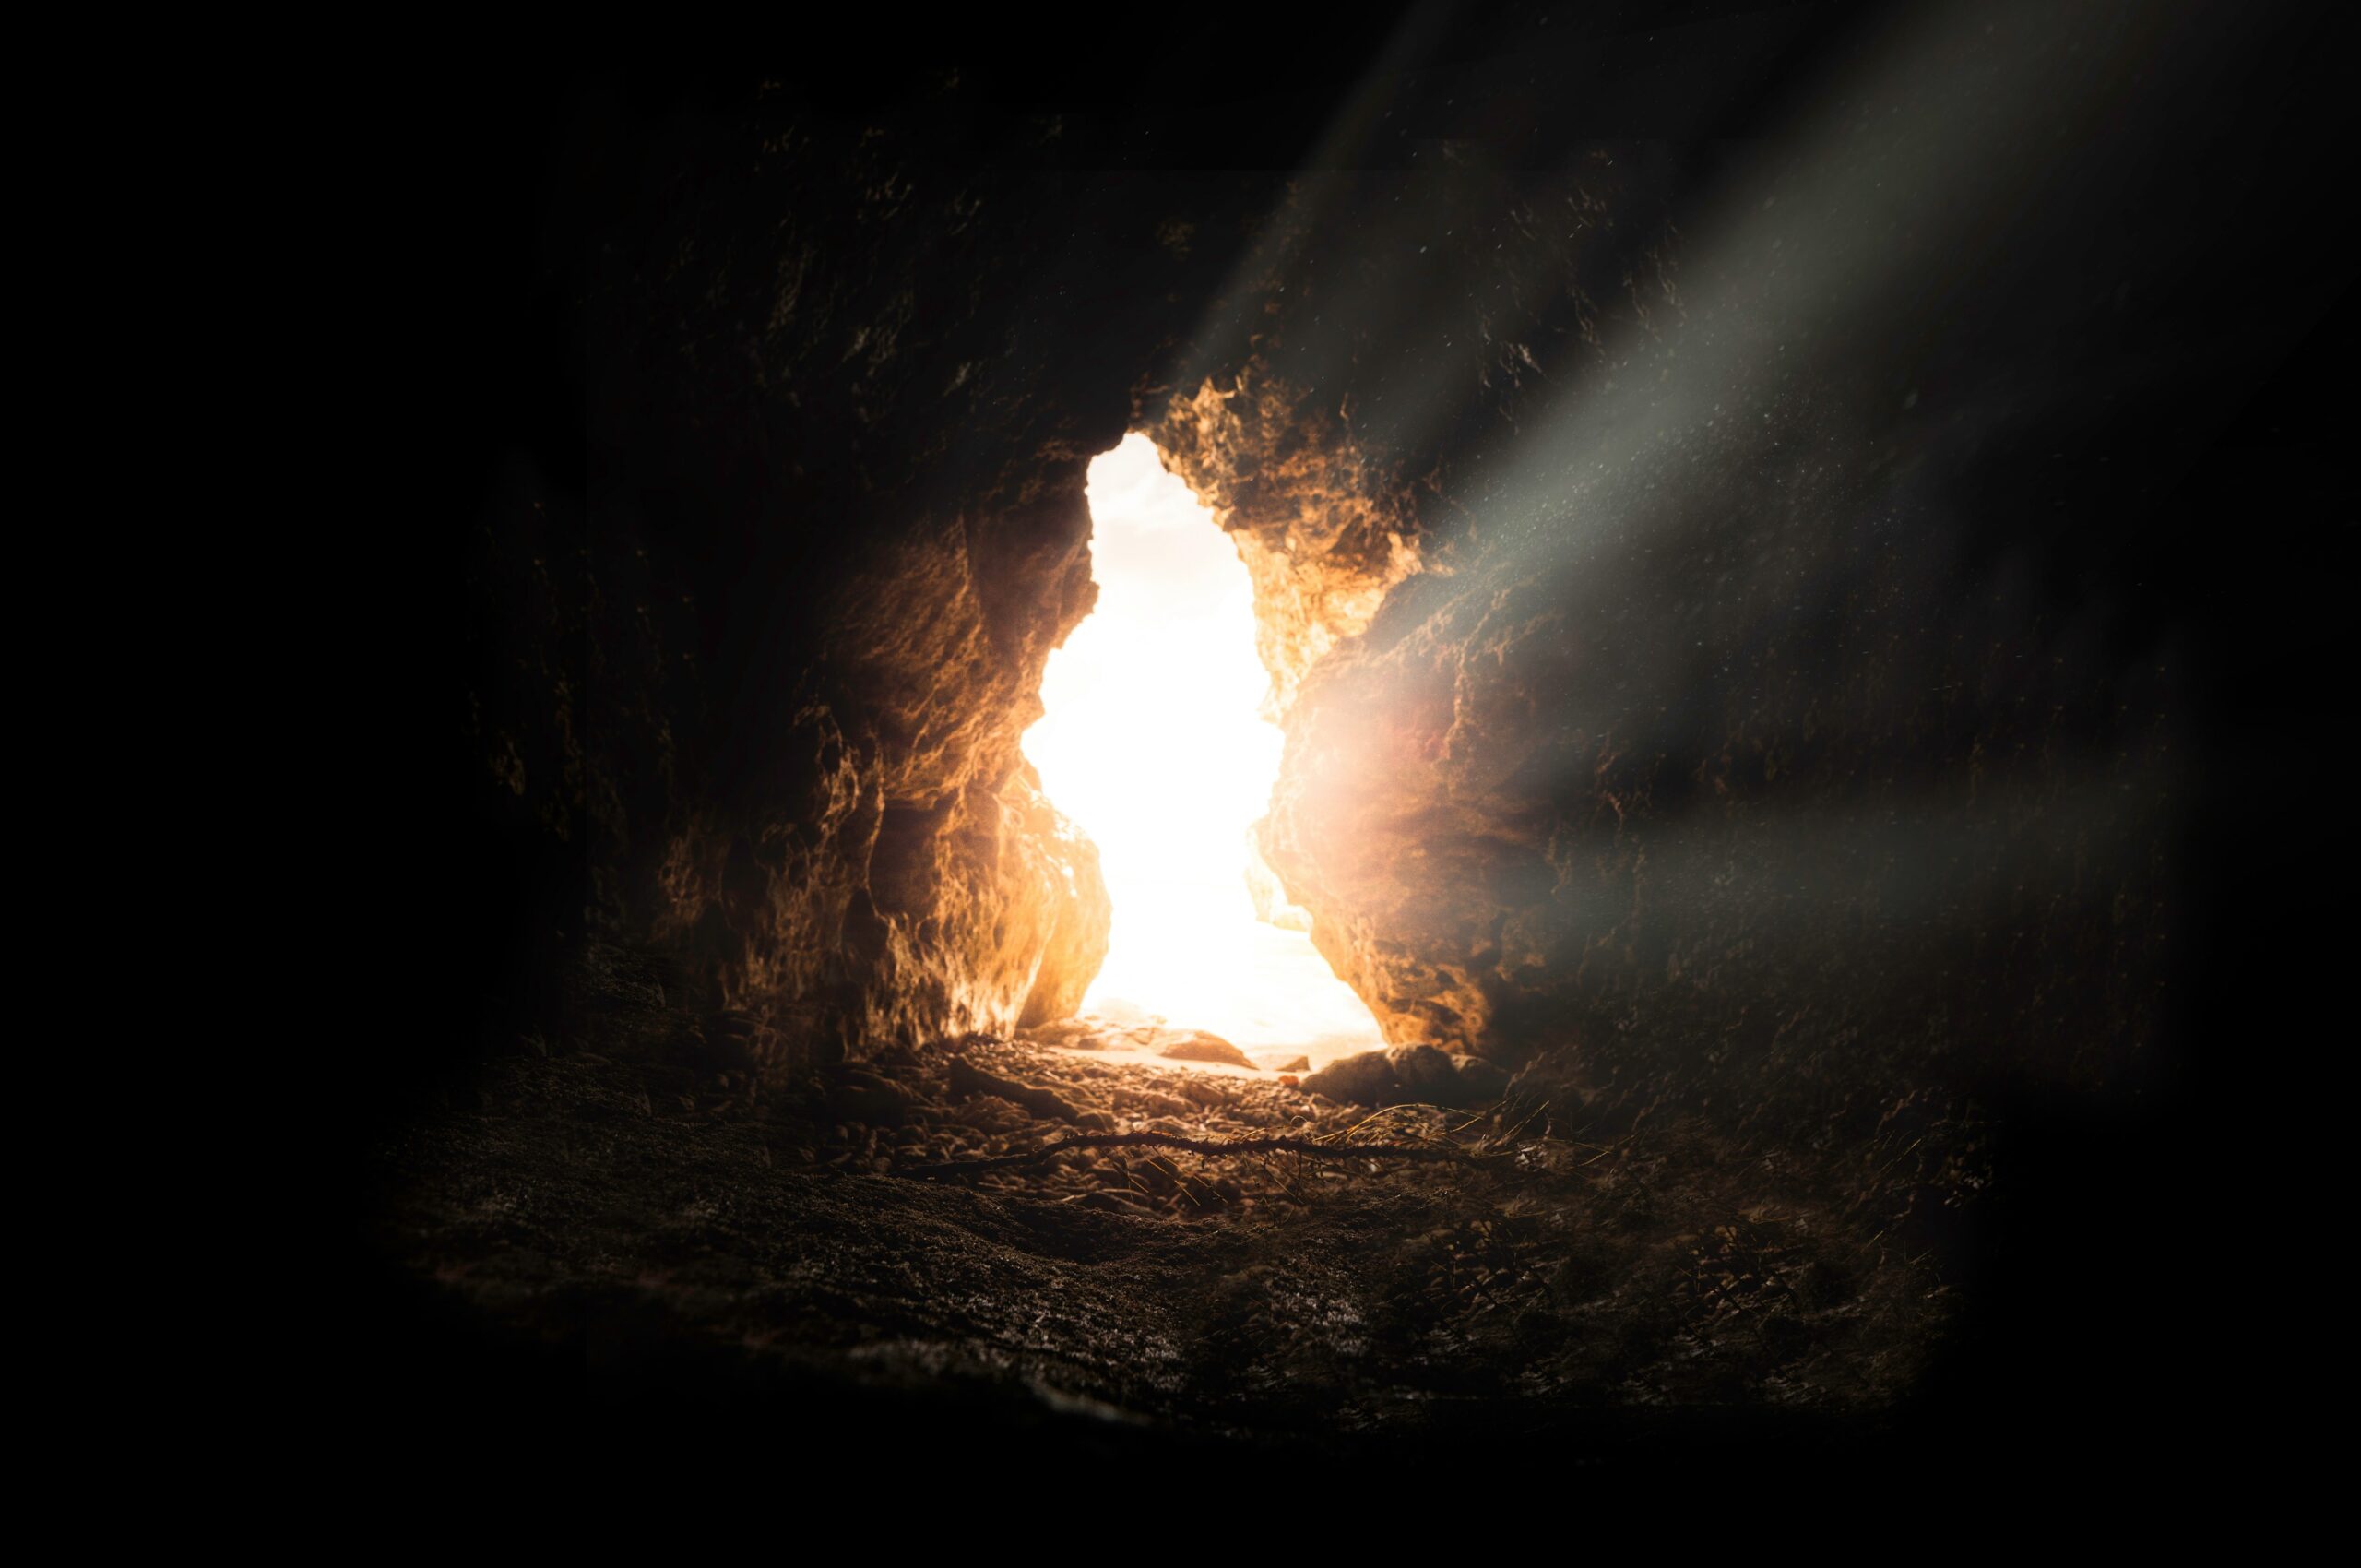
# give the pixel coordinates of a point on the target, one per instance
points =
(1157, 741)
(1496, 751)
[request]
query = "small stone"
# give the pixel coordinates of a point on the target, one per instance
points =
(1196, 1045)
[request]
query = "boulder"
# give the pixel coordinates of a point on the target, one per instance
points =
(1426, 1075)
(1409, 1074)
(1365, 1079)
(1480, 1082)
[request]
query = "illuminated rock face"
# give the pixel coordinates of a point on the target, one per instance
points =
(895, 873)
(1325, 528)
(1391, 827)
(1425, 792)
(1672, 704)
(756, 697)
(1689, 735)
(1401, 868)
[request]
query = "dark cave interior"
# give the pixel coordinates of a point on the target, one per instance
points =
(1734, 501)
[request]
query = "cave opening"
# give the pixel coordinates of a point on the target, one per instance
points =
(1155, 739)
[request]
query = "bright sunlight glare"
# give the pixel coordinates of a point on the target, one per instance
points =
(1151, 742)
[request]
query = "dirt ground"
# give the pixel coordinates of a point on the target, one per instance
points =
(628, 1215)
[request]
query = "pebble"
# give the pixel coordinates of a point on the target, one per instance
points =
(1195, 1045)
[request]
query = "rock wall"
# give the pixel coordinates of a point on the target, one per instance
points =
(756, 694)
(1685, 630)
(1340, 442)
(1323, 528)
(1683, 571)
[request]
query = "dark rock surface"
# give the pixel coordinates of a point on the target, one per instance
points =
(1658, 697)
(1410, 1074)
(1425, 1073)
(1363, 1079)
(1480, 1082)
(1728, 589)
(758, 690)
(1691, 669)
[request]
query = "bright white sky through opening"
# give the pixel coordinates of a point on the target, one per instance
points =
(1151, 742)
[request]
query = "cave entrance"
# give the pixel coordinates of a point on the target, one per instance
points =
(1152, 741)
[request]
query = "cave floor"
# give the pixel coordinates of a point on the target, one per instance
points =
(622, 1219)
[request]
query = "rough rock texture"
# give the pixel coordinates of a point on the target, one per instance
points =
(1335, 443)
(1725, 588)
(1685, 682)
(1410, 1074)
(1325, 530)
(757, 695)
(1676, 573)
